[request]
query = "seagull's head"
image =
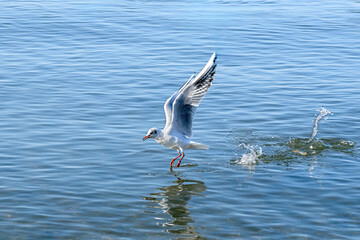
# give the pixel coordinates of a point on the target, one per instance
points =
(152, 133)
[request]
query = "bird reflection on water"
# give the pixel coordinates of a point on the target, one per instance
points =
(173, 200)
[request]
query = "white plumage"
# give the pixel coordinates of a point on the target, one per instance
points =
(179, 111)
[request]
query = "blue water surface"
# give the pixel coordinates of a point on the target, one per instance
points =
(81, 82)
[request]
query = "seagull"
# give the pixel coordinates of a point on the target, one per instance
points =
(179, 111)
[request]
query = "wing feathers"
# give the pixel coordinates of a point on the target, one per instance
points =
(168, 106)
(182, 105)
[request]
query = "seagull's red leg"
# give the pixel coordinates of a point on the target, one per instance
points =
(178, 164)
(172, 161)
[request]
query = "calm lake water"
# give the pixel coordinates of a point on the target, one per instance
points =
(81, 82)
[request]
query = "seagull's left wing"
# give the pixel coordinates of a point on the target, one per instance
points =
(186, 101)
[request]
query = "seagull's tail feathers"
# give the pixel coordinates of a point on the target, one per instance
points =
(195, 145)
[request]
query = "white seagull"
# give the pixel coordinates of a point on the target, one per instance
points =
(179, 111)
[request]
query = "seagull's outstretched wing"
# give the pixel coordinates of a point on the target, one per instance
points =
(168, 106)
(180, 108)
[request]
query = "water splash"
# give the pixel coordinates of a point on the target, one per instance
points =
(265, 148)
(323, 113)
(251, 157)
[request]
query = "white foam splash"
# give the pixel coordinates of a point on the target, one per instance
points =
(347, 143)
(252, 156)
(322, 115)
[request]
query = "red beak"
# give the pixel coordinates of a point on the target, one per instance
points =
(146, 137)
